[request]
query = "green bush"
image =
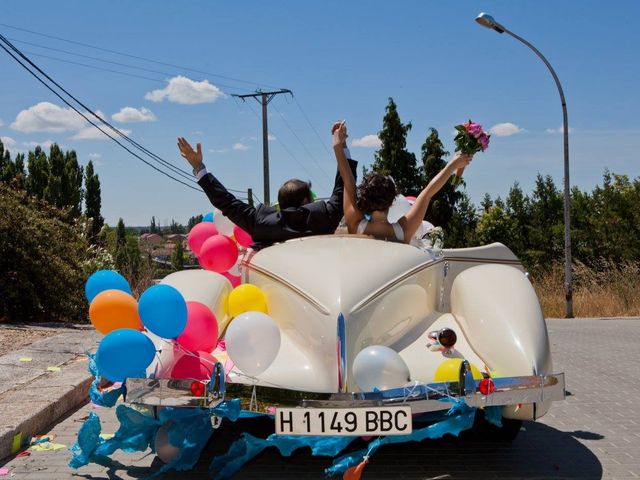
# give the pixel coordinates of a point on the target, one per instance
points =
(44, 258)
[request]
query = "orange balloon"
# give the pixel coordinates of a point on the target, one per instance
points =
(113, 309)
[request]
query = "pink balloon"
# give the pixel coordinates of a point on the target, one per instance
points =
(411, 199)
(199, 234)
(218, 253)
(201, 332)
(195, 366)
(235, 280)
(242, 237)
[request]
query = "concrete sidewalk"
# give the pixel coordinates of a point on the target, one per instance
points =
(41, 383)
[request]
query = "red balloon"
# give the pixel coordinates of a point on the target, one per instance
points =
(201, 332)
(199, 234)
(218, 253)
(235, 280)
(194, 366)
(242, 237)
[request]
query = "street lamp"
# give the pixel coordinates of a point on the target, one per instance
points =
(489, 22)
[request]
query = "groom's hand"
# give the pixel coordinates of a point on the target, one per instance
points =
(194, 157)
(339, 132)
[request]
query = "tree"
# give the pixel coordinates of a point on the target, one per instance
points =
(38, 173)
(518, 209)
(93, 201)
(393, 158)
(193, 221)
(71, 191)
(53, 190)
(547, 222)
(461, 228)
(177, 257)
(153, 227)
(121, 247)
(175, 227)
(443, 204)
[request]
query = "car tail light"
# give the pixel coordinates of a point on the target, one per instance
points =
(486, 386)
(447, 337)
(197, 388)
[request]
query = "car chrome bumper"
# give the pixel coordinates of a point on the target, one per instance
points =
(423, 397)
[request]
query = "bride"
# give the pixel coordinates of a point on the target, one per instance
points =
(376, 193)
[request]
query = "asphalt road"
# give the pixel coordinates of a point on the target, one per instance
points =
(593, 434)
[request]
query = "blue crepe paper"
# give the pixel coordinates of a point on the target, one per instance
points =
(103, 399)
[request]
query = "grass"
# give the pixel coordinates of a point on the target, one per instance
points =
(608, 289)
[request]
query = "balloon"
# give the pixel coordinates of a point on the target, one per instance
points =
(113, 309)
(194, 366)
(247, 297)
(235, 280)
(208, 217)
(242, 237)
(199, 234)
(218, 253)
(253, 341)
(411, 198)
(399, 207)
(379, 367)
(163, 447)
(105, 280)
(449, 371)
(124, 353)
(163, 311)
(201, 332)
(224, 225)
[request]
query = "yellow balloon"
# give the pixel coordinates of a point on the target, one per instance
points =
(246, 298)
(449, 371)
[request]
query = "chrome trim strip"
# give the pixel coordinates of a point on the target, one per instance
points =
(342, 354)
(318, 306)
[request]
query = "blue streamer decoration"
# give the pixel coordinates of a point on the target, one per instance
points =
(108, 398)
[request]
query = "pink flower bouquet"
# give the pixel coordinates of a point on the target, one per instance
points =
(471, 138)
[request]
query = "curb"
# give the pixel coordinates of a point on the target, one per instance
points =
(37, 396)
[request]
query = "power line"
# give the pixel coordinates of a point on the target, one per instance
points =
(5, 41)
(158, 62)
(311, 125)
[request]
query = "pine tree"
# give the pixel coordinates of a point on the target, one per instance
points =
(153, 228)
(71, 192)
(193, 221)
(121, 256)
(443, 205)
(53, 190)
(93, 201)
(393, 158)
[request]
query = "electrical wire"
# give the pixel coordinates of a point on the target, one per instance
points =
(3, 40)
(137, 57)
(322, 142)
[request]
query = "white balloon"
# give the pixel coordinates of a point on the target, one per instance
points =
(164, 449)
(379, 367)
(253, 342)
(398, 208)
(222, 223)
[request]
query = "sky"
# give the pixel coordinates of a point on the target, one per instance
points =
(341, 60)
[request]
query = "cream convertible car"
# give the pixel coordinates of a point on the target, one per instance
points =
(334, 296)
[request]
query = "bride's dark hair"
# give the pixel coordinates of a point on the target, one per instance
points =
(376, 192)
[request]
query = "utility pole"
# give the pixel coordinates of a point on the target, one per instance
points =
(263, 98)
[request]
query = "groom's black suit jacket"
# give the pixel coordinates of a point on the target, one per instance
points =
(266, 225)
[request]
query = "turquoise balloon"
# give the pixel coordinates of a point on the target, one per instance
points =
(163, 311)
(207, 217)
(124, 353)
(105, 280)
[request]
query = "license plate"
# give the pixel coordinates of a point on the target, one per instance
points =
(344, 421)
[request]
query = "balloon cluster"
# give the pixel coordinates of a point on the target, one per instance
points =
(215, 241)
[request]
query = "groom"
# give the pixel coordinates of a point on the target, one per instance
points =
(299, 216)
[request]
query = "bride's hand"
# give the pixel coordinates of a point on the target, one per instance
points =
(339, 132)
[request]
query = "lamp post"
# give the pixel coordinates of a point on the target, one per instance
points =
(489, 22)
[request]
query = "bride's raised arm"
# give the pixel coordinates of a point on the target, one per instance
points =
(413, 218)
(352, 214)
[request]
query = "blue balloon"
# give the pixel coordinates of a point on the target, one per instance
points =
(124, 353)
(163, 311)
(208, 217)
(105, 280)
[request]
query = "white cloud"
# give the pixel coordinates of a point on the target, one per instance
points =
(560, 129)
(218, 150)
(186, 91)
(240, 146)
(94, 156)
(47, 117)
(505, 129)
(92, 133)
(8, 142)
(368, 141)
(130, 115)
(1, 123)
(44, 144)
